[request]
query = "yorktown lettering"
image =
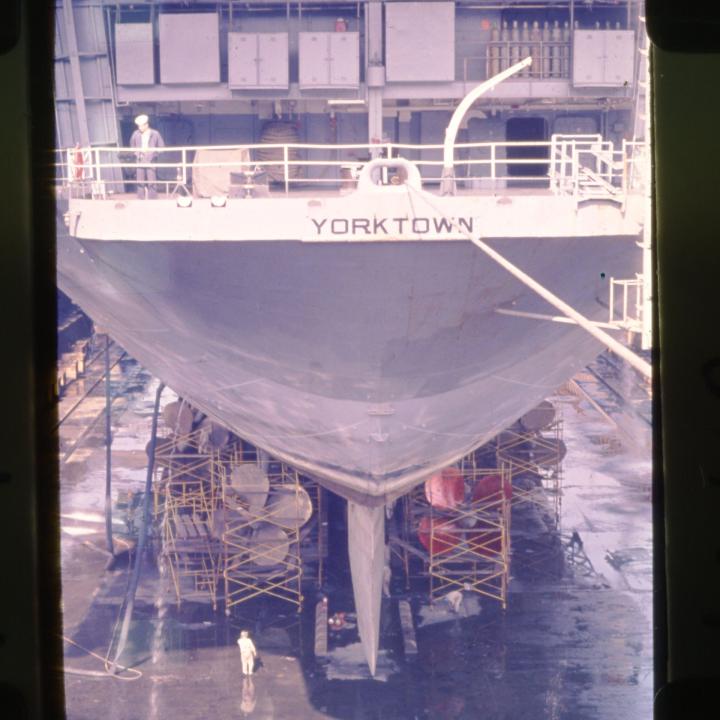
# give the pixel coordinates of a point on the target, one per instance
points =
(392, 226)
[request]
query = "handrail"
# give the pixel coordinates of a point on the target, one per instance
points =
(580, 166)
(588, 167)
(339, 146)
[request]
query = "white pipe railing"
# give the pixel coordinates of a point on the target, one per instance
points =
(624, 318)
(570, 164)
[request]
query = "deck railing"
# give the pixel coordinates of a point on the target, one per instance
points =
(582, 166)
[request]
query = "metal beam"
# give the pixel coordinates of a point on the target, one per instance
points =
(373, 57)
(618, 348)
(555, 318)
(74, 60)
(526, 93)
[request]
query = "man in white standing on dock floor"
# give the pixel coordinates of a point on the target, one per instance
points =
(147, 139)
(247, 652)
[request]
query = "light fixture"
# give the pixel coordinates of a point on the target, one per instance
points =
(218, 200)
(348, 101)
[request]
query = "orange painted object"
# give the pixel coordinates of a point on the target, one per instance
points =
(437, 535)
(446, 489)
(488, 485)
(78, 163)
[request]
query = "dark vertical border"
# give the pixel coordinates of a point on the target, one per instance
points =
(40, 18)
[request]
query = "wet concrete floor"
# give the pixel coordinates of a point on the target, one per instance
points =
(574, 646)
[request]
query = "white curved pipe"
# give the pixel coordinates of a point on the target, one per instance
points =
(467, 102)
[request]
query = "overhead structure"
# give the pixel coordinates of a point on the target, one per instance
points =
(447, 186)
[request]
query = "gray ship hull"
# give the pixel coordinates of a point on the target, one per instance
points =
(368, 365)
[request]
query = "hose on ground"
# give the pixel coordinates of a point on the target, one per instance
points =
(96, 673)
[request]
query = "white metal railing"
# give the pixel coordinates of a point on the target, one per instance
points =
(582, 166)
(637, 166)
(629, 313)
(587, 167)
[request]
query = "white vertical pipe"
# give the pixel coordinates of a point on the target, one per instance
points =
(647, 265)
(285, 168)
(373, 56)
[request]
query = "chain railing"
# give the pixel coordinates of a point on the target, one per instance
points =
(583, 166)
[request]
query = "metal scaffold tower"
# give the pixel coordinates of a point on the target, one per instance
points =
(185, 502)
(534, 458)
(458, 524)
(262, 512)
(533, 450)
(461, 518)
(231, 521)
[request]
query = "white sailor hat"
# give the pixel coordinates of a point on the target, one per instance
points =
(142, 120)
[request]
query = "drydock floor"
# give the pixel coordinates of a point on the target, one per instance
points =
(576, 647)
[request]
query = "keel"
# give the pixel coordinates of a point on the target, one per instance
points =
(366, 547)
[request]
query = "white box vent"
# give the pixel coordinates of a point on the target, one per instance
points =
(603, 58)
(329, 59)
(189, 48)
(420, 41)
(134, 57)
(258, 61)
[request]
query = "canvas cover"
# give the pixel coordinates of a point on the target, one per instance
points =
(212, 167)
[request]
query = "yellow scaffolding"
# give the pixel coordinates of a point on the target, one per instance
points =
(468, 545)
(190, 553)
(534, 459)
(538, 455)
(314, 537)
(185, 500)
(261, 535)
(244, 540)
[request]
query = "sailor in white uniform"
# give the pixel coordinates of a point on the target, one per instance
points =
(247, 652)
(146, 140)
